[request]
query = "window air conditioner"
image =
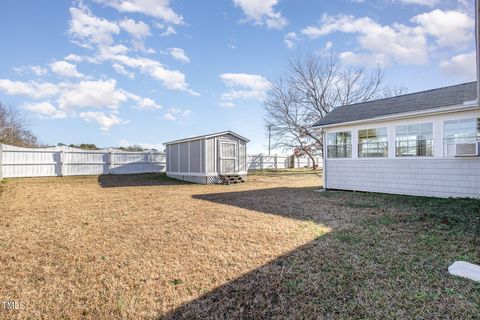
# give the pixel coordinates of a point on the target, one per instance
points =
(467, 149)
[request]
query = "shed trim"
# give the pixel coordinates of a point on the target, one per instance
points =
(207, 136)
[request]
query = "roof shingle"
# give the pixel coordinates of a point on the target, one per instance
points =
(441, 97)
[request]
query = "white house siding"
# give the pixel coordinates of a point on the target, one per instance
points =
(438, 176)
(425, 177)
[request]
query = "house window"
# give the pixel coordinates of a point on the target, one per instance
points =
(415, 140)
(457, 132)
(339, 145)
(372, 143)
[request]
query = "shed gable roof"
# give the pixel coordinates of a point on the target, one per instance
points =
(418, 101)
(205, 136)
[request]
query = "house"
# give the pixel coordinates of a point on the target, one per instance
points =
(425, 143)
(208, 158)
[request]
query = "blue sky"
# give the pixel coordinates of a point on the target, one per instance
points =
(122, 72)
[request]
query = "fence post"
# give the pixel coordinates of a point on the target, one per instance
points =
(150, 157)
(261, 162)
(110, 161)
(62, 160)
(1, 161)
(275, 162)
(298, 163)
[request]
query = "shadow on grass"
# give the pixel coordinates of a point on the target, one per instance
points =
(360, 270)
(283, 201)
(136, 180)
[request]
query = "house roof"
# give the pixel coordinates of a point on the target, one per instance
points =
(205, 136)
(418, 101)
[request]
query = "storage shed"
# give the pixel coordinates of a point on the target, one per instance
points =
(208, 158)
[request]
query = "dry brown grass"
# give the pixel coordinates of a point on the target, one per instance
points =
(147, 247)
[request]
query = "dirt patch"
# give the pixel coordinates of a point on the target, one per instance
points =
(150, 247)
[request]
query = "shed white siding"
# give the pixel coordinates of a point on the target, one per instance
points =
(439, 176)
(197, 159)
(195, 155)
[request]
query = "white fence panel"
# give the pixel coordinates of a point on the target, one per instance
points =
(66, 161)
(25, 162)
(263, 162)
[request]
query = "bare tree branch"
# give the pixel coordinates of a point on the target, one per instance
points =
(13, 128)
(310, 88)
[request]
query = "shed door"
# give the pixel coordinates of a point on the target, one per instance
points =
(227, 155)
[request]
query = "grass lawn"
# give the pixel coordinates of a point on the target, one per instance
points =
(148, 247)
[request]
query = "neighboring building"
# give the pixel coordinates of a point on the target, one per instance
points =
(425, 143)
(206, 159)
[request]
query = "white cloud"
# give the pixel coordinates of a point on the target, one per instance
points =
(147, 103)
(84, 26)
(461, 66)
(70, 97)
(44, 110)
(74, 58)
(92, 94)
(398, 42)
(450, 28)
(262, 13)
(155, 8)
(66, 69)
(428, 3)
(121, 70)
(169, 31)
(97, 34)
(351, 58)
(172, 79)
(244, 86)
(227, 104)
(105, 121)
(291, 40)
(33, 89)
(138, 30)
(36, 70)
(326, 49)
(179, 54)
(177, 114)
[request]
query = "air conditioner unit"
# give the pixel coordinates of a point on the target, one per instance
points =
(467, 149)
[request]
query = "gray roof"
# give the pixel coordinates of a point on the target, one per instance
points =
(205, 136)
(430, 99)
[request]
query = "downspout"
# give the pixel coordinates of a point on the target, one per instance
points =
(477, 42)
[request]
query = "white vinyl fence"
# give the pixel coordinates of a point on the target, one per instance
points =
(67, 161)
(262, 162)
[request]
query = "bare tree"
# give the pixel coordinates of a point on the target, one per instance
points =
(13, 128)
(311, 87)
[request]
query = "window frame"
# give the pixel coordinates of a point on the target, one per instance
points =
(359, 149)
(432, 141)
(347, 146)
(461, 139)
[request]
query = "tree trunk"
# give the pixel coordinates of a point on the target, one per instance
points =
(314, 164)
